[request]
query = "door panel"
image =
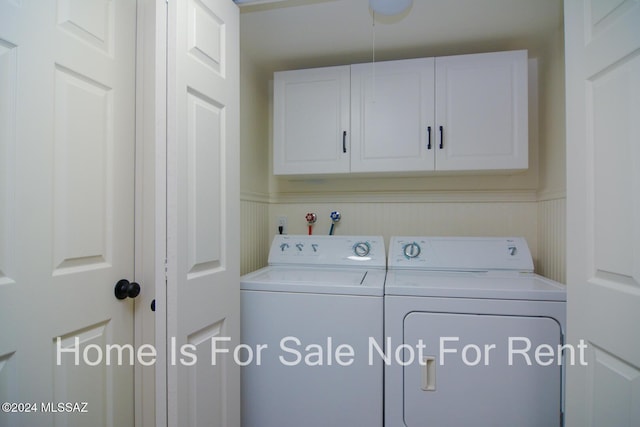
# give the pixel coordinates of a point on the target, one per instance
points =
(70, 380)
(204, 180)
(603, 204)
(203, 300)
(8, 79)
(9, 289)
(81, 148)
(66, 221)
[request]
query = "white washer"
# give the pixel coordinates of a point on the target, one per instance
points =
(315, 307)
(480, 312)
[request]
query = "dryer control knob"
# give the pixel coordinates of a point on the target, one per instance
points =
(411, 250)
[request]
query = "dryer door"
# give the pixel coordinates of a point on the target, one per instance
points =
(482, 370)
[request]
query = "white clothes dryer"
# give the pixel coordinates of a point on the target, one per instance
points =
(313, 312)
(473, 335)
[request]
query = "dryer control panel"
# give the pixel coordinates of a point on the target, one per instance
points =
(357, 251)
(460, 253)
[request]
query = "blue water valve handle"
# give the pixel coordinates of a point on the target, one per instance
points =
(335, 217)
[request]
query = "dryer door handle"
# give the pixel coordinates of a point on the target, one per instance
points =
(428, 373)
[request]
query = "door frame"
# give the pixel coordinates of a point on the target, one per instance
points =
(150, 209)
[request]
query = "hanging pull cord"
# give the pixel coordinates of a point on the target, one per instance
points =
(373, 57)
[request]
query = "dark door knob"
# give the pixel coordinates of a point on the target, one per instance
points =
(125, 289)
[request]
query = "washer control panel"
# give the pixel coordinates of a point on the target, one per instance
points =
(328, 250)
(460, 253)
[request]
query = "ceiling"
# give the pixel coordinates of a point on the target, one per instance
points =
(290, 34)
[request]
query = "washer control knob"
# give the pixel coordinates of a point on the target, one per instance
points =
(361, 249)
(411, 250)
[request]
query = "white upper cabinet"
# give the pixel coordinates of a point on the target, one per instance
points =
(392, 114)
(311, 121)
(455, 113)
(482, 111)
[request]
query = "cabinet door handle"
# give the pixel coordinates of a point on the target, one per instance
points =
(428, 137)
(344, 141)
(441, 138)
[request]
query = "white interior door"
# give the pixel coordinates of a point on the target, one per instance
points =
(203, 296)
(67, 86)
(603, 210)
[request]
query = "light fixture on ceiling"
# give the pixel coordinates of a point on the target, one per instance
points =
(389, 7)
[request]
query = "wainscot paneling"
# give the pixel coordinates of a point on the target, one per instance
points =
(435, 214)
(254, 232)
(542, 222)
(552, 238)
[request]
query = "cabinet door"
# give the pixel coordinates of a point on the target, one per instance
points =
(392, 114)
(481, 111)
(311, 121)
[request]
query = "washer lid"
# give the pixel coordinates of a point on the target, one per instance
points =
(479, 285)
(339, 281)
